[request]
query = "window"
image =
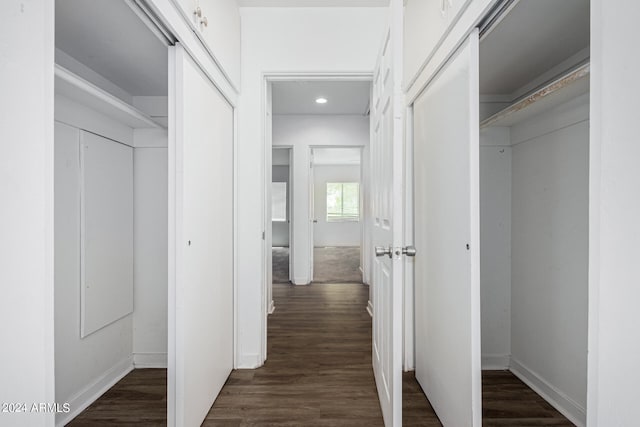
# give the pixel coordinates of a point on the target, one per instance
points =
(279, 201)
(343, 201)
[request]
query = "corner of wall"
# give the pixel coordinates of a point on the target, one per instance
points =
(559, 400)
(85, 397)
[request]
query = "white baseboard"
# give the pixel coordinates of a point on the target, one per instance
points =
(81, 400)
(150, 360)
(370, 308)
(249, 361)
(559, 400)
(495, 362)
(272, 307)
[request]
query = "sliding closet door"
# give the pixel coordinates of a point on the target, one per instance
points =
(200, 241)
(447, 282)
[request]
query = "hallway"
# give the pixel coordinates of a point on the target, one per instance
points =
(318, 370)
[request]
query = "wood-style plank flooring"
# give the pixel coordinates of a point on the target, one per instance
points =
(318, 373)
(139, 399)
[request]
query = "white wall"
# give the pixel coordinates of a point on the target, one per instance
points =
(302, 132)
(495, 247)
(333, 233)
(150, 255)
(26, 215)
(614, 232)
(280, 230)
(304, 40)
(84, 367)
(549, 253)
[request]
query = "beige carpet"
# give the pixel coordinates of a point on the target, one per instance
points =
(280, 257)
(331, 265)
(336, 264)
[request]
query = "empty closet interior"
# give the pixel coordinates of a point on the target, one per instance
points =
(534, 142)
(111, 78)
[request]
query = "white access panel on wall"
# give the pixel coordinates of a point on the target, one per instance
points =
(447, 279)
(201, 247)
(106, 229)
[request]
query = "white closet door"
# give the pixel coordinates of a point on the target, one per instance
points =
(447, 280)
(200, 242)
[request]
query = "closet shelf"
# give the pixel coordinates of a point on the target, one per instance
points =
(80, 90)
(568, 86)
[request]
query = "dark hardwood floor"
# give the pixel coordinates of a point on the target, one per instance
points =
(507, 401)
(318, 370)
(139, 399)
(318, 374)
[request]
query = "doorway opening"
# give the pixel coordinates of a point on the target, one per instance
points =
(314, 121)
(111, 227)
(281, 214)
(534, 184)
(337, 212)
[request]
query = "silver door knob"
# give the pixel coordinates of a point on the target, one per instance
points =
(382, 251)
(409, 251)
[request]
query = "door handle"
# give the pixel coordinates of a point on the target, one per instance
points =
(409, 250)
(382, 251)
(315, 221)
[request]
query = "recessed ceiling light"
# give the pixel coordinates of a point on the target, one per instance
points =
(321, 100)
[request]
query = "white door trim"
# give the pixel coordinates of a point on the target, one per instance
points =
(408, 360)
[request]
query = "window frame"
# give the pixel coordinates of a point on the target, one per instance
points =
(342, 217)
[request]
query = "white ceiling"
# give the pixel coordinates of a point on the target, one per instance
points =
(313, 3)
(534, 37)
(336, 156)
(108, 37)
(342, 97)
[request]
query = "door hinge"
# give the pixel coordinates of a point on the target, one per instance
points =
(263, 235)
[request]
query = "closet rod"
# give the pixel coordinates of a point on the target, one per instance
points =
(539, 94)
(80, 90)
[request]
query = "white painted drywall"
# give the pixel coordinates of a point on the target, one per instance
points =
(82, 365)
(320, 131)
(333, 233)
(495, 247)
(614, 229)
(150, 254)
(26, 215)
(549, 252)
(303, 40)
(303, 132)
(279, 229)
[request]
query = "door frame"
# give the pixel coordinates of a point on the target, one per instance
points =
(267, 144)
(408, 361)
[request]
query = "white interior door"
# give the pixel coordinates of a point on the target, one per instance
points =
(200, 242)
(386, 180)
(447, 279)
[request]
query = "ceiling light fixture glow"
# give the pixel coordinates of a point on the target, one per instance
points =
(321, 101)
